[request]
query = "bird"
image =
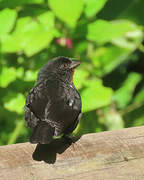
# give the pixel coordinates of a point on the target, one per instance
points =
(53, 105)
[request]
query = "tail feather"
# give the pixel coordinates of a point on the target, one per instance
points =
(42, 133)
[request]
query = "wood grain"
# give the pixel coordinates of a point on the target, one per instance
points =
(111, 155)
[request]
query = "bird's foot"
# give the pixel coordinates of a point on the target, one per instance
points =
(68, 140)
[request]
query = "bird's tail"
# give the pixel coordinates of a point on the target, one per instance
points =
(42, 133)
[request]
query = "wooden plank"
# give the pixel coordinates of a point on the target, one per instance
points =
(111, 155)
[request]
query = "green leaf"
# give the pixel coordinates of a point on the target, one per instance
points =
(140, 96)
(80, 77)
(93, 7)
(47, 19)
(67, 10)
(125, 93)
(34, 45)
(30, 36)
(30, 75)
(14, 102)
(7, 76)
(8, 45)
(113, 120)
(133, 115)
(95, 95)
(7, 20)
(105, 59)
(102, 31)
(20, 72)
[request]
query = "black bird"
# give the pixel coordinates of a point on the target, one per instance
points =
(53, 106)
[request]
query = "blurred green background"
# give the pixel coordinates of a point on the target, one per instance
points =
(106, 35)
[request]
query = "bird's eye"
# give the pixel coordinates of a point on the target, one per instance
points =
(64, 66)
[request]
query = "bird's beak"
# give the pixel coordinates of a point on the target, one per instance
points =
(74, 64)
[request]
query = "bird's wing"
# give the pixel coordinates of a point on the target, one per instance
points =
(64, 111)
(30, 117)
(72, 127)
(75, 103)
(36, 102)
(51, 104)
(35, 105)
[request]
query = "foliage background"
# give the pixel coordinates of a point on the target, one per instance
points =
(106, 35)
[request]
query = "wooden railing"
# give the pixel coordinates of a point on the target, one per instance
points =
(111, 155)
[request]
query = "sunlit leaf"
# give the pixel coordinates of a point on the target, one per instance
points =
(30, 36)
(30, 75)
(7, 20)
(93, 6)
(47, 19)
(14, 102)
(113, 120)
(80, 77)
(20, 72)
(7, 76)
(140, 96)
(95, 95)
(105, 59)
(102, 31)
(125, 93)
(67, 10)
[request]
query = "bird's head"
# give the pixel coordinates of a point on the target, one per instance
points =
(60, 66)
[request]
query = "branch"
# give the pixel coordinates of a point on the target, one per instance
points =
(111, 155)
